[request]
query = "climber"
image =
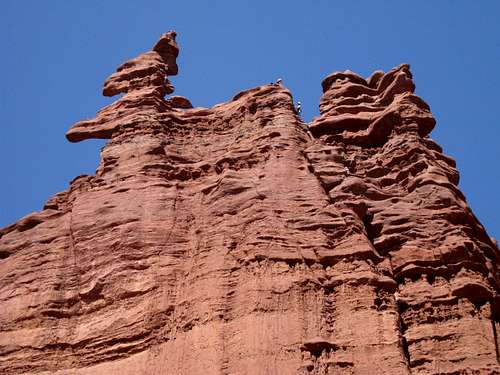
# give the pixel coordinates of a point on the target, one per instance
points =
(299, 108)
(347, 170)
(278, 81)
(352, 164)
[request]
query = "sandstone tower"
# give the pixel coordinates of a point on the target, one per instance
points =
(239, 240)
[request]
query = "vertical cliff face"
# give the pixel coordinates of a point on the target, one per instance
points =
(239, 240)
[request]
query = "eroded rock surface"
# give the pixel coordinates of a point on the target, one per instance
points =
(239, 240)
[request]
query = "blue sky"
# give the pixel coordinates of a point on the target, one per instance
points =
(56, 55)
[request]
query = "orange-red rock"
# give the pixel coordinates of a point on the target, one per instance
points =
(239, 240)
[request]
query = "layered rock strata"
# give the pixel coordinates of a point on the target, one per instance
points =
(239, 240)
(372, 153)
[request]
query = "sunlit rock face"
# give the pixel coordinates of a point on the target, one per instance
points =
(240, 240)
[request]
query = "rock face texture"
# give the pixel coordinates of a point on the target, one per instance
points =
(240, 240)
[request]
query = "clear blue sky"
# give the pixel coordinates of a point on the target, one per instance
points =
(56, 54)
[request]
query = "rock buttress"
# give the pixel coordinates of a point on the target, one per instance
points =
(373, 154)
(229, 240)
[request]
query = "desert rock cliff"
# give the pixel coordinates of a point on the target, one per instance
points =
(239, 240)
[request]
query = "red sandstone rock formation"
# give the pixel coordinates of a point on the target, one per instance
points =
(239, 240)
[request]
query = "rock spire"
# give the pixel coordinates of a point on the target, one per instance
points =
(239, 240)
(144, 83)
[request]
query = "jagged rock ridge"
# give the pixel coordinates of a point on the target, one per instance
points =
(239, 240)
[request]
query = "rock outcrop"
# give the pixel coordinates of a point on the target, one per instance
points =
(240, 240)
(144, 83)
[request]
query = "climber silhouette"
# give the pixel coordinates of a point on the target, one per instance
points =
(299, 108)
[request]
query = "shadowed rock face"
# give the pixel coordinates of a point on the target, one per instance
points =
(239, 240)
